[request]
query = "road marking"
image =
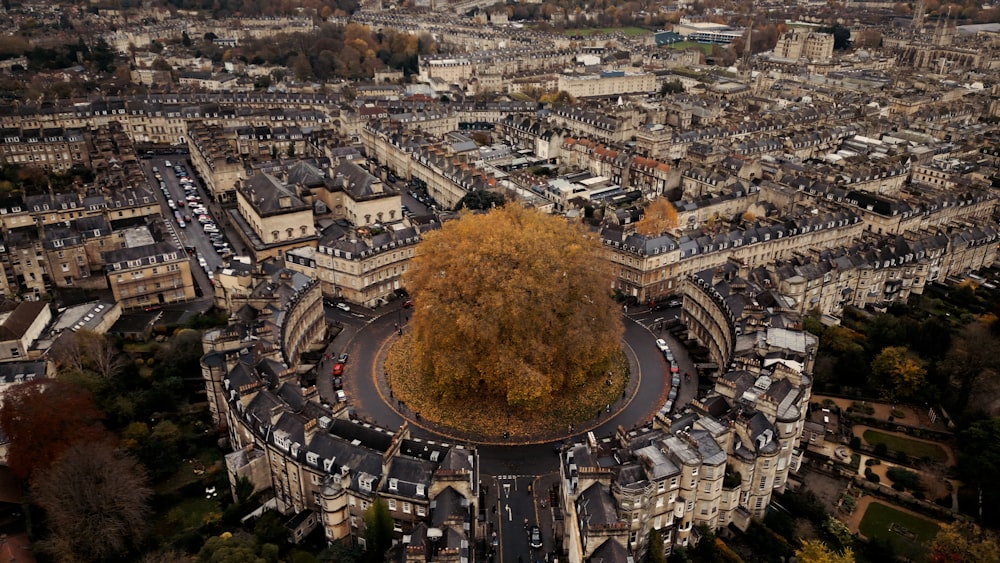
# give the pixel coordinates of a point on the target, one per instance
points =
(506, 490)
(510, 515)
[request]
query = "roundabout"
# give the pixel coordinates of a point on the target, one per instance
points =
(373, 400)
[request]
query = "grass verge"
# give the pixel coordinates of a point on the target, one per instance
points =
(912, 448)
(908, 534)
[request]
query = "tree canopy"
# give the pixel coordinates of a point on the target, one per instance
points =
(480, 200)
(659, 217)
(979, 462)
(900, 372)
(815, 551)
(513, 305)
(43, 418)
(963, 541)
(95, 499)
(378, 531)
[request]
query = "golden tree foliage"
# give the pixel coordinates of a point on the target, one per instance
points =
(815, 551)
(659, 217)
(901, 372)
(964, 541)
(512, 306)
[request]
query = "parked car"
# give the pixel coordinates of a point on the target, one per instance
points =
(338, 369)
(338, 382)
(673, 393)
(341, 396)
(662, 345)
(675, 379)
(408, 304)
(343, 358)
(535, 538)
(343, 306)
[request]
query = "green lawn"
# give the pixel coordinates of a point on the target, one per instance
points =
(705, 47)
(911, 448)
(629, 31)
(907, 533)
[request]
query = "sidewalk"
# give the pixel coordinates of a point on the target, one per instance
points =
(548, 512)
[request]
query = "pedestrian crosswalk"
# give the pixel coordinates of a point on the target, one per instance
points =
(509, 477)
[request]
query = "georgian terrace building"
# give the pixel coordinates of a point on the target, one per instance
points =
(715, 463)
(323, 469)
(649, 267)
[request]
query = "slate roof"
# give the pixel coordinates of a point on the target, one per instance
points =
(20, 319)
(267, 193)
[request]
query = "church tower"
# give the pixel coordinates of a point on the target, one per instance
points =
(917, 25)
(745, 73)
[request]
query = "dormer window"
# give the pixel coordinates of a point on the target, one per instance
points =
(393, 484)
(365, 483)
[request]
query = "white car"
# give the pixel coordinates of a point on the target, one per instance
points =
(662, 345)
(341, 396)
(343, 306)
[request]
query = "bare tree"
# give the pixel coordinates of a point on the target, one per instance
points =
(87, 351)
(95, 498)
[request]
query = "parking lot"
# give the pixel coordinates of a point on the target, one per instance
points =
(185, 208)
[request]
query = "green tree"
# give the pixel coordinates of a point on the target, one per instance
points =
(904, 478)
(900, 373)
(480, 200)
(979, 463)
(227, 548)
(512, 308)
(654, 551)
(672, 87)
(378, 531)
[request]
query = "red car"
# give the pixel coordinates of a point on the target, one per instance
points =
(408, 304)
(338, 369)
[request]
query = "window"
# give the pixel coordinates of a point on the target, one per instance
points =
(421, 510)
(406, 508)
(392, 504)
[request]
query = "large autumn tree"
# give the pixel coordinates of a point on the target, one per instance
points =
(42, 418)
(513, 306)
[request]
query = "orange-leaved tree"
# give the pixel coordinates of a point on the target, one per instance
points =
(43, 418)
(512, 306)
(659, 217)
